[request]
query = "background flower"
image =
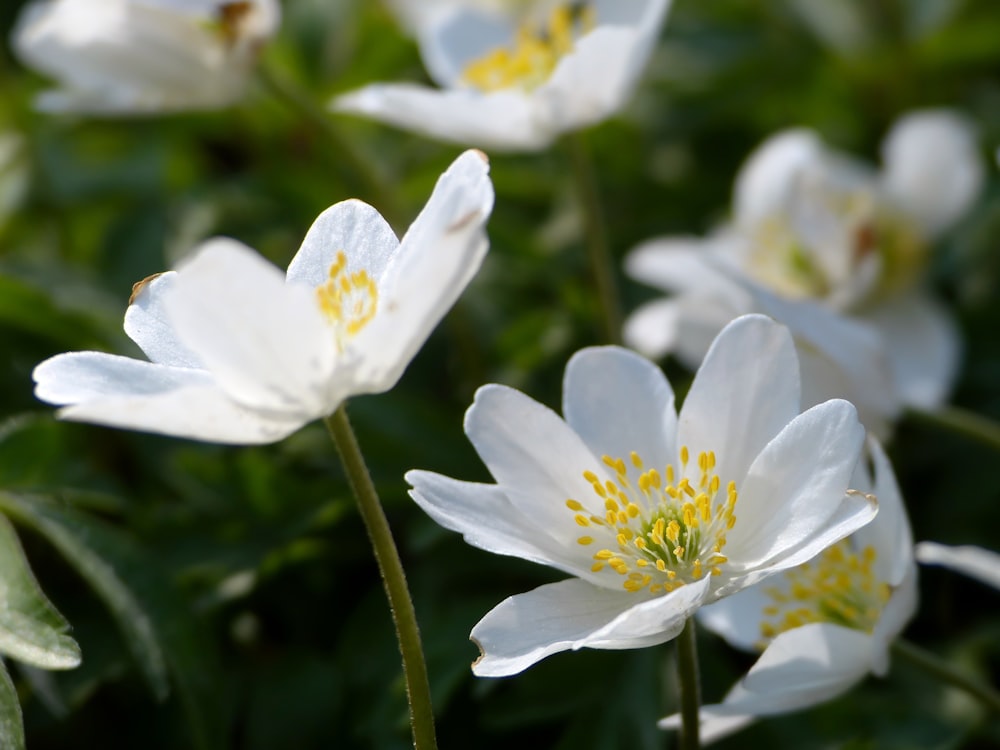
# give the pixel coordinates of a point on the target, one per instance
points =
(654, 514)
(507, 88)
(813, 228)
(981, 564)
(128, 56)
(239, 353)
(824, 625)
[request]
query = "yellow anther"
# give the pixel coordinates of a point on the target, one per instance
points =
(590, 477)
(610, 504)
(574, 505)
(684, 455)
(585, 540)
(581, 520)
(604, 554)
(661, 566)
(678, 552)
(670, 474)
(597, 567)
(599, 489)
(641, 563)
(639, 542)
(632, 509)
(636, 461)
(608, 461)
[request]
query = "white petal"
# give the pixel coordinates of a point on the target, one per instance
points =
(534, 456)
(501, 121)
(265, 342)
(438, 256)
(738, 617)
(573, 614)
(712, 728)
(979, 563)
(619, 402)
(128, 393)
(147, 324)
(839, 357)
(923, 346)
(796, 485)
(889, 534)
(653, 328)
(353, 227)
(745, 392)
(483, 515)
(932, 167)
(673, 264)
(896, 614)
(801, 667)
(766, 179)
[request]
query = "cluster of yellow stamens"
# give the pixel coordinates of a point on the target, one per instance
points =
(839, 587)
(661, 531)
(534, 54)
(349, 299)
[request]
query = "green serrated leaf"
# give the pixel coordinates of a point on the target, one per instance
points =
(11, 726)
(155, 622)
(31, 630)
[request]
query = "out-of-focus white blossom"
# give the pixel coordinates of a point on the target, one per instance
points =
(835, 250)
(131, 56)
(975, 562)
(515, 81)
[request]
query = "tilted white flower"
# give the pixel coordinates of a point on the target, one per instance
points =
(654, 514)
(825, 625)
(241, 354)
(506, 87)
(816, 237)
(132, 56)
(975, 562)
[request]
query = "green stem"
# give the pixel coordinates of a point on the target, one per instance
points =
(969, 424)
(943, 671)
(378, 190)
(601, 263)
(393, 578)
(687, 672)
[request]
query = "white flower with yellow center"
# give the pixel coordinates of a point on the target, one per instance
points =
(824, 625)
(835, 251)
(239, 353)
(130, 56)
(515, 82)
(654, 514)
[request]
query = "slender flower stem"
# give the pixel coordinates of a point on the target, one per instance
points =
(394, 579)
(601, 263)
(378, 189)
(943, 671)
(973, 426)
(687, 671)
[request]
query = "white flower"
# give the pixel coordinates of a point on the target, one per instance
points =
(824, 625)
(976, 562)
(816, 237)
(128, 56)
(416, 15)
(654, 514)
(241, 354)
(506, 87)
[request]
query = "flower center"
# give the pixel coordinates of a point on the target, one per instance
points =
(535, 52)
(661, 531)
(348, 299)
(848, 248)
(838, 586)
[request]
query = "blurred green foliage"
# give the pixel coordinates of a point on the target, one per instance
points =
(227, 597)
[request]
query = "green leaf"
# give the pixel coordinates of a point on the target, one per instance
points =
(11, 727)
(31, 630)
(155, 621)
